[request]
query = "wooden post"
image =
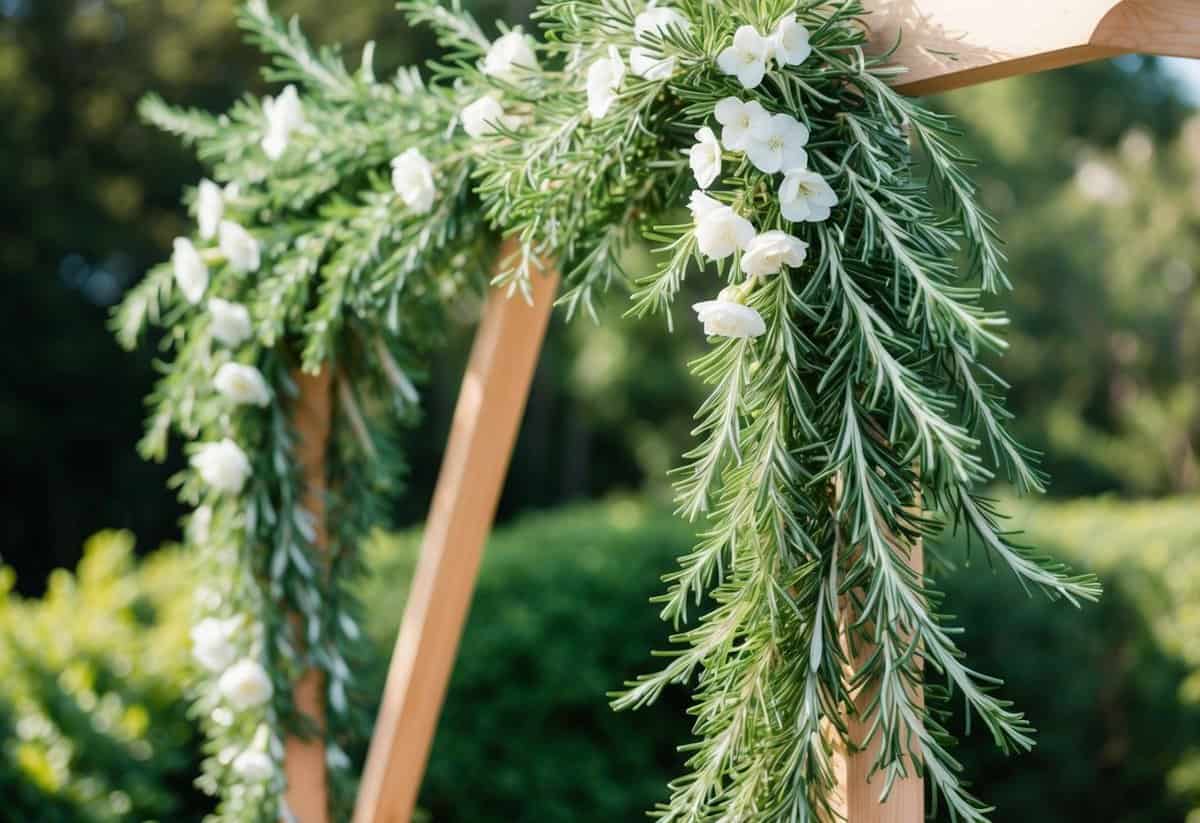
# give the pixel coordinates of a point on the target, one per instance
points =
(307, 795)
(857, 800)
(486, 419)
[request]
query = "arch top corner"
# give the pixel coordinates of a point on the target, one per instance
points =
(1161, 27)
(947, 44)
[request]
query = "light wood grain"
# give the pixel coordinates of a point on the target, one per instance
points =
(307, 794)
(948, 44)
(857, 799)
(490, 406)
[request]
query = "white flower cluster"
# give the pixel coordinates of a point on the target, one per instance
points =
(751, 53)
(773, 143)
(238, 247)
(242, 685)
(510, 59)
(222, 464)
(646, 60)
(721, 232)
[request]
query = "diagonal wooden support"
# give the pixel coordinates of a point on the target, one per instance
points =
(490, 405)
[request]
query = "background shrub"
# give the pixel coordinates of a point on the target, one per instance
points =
(93, 713)
(93, 722)
(561, 616)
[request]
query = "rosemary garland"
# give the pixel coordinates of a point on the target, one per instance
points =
(755, 144)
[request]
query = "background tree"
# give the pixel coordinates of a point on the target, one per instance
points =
(89, 200)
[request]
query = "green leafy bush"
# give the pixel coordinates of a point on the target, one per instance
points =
(93, 722)
(559, 618)
(1114, 689)
(561, 615)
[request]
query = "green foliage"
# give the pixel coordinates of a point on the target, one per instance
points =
(1106, 209)
(855, 420)
(90, 200)
(334, 271)
(813, 442)
(93, 725)
(559, 616)
(558, 611)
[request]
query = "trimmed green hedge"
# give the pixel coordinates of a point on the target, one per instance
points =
(93, 722)
(560, 617)
(1108, 686)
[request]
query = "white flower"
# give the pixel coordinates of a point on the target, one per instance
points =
(659, 20)
(191, 275)
(485, 116)
(603, 81)
(412, 177)
(720, 231)
(805, 196)
(239, 247)
(242, 384)
(700, 205)
(200, 524)
(771, 251)
(743, 122)
(509, 56)
(222, 465)
(789, 42)
(705, 158)
(254, 766)
(245, 685)
(747, 57)
(284, 115)
(781, 146)
(230, 322)
(648, 27)
(644, 63)
(210, 206)
(725, 317)
(212, 642)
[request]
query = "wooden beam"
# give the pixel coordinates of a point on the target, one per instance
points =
(947, 44)
(486, 419)
(307, 793)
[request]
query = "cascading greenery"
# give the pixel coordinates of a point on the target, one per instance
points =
(307, 258)
(754, 143)
(849, 415)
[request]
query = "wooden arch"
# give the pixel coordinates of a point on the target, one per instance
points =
(946, 44)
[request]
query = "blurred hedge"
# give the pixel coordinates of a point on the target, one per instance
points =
(94, 723)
